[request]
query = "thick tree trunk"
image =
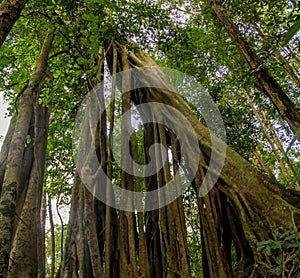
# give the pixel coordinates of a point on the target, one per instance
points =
(17, 165)
(129, 254)
(285, 107)
(10, 11)
(244, 205)
(87, 253)
(168, 236)
(241, 210)
(25, 260)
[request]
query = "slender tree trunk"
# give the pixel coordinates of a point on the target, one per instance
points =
(153, 234)
(41, 127)
(285, 64)
(142, 244)
(5, 149)
(52, 236)
(41, 238)
(127, 244)
(285, 107)
(264, 164)
(91, 233)
(280, 147)
(10, 11)
(108, 217)
(173, 241)
(268, 137)
(74, 252)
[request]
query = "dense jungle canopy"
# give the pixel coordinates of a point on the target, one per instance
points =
(72, 71)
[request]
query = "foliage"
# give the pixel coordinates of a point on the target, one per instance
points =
(283, 250)
(292, 31)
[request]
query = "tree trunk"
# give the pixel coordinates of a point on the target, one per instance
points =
(241, 210)
(41, 237)
(52, 236)
(133, 256)
(294, 55)
(25, 259)
(153, 235)
(244, 205)
(87, 253)
(285, 107)
(19, 160)
(268, 137)
(5, 149)
(264, 164)
(9, 13)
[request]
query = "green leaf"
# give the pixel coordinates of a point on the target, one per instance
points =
(293, 236)
(28, 139)
(278, 259)
(291, 32)
(276, 245)
(90, 17)
(268, 250)
(265, 242)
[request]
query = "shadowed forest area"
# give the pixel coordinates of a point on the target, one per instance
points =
(169, 131)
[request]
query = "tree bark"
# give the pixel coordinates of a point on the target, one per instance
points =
(26, 257)
(241, 210)
(52, 236)
(5, 149)
(285, 107)
(244, 205)
(264, 164)
(127, 244)
(41, 237)
(10, 11)
(153, 234)
(13, 182)
(87, 252)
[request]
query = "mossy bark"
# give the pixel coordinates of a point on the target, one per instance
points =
(10, 11)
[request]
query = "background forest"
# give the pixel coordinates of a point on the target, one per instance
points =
(244, 53)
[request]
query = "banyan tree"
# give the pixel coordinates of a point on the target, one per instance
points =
(113, 232)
